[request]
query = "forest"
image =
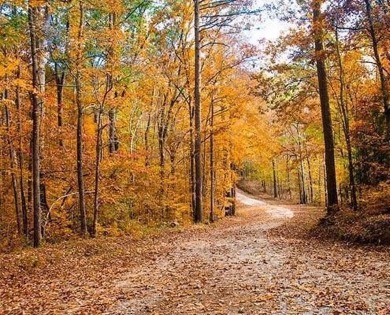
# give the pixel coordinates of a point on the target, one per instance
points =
(194, 157)
(116, 115)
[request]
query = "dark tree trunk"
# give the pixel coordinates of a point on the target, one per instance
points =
(21, 160)
(113, 138)
(60, 80)
(98, 150)
(192, 160)
(198, 211)
(79, 135)
(331, 184)
(345, 119)
(212, 166)
(146, 138)
(383, 80)
(288, 178)
(274, 179)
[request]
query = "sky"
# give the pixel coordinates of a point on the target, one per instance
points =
(266, 28)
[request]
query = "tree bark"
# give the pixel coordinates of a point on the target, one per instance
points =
(21, 159)
(198, 211)
(192, 159)
(382, 76)
(36, 18)
(311, 191)
(98, 151)
(274, 179)
(79, 135)
(212, 165)
(345, 120)
(13, 163)
(332, 205)
(113, 141)
(60, 80)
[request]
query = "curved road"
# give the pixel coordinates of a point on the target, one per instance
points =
(236, 269)
(239, 265)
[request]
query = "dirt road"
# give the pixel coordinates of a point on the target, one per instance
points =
(234, 267)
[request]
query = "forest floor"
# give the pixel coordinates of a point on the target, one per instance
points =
(260, 262)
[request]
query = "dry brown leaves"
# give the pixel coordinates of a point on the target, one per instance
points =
(250, 264)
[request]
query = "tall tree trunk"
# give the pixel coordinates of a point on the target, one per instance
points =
(332, 206)
(21, 159)
(212, 165)
(303, 194)
(383, 81)
(79, 135)
(99, 131)
(146, 135)
(13, 163)
(98, 150)
(345, 119)
(112, 114)
(36, 18)
(198, 211)
(192, 160)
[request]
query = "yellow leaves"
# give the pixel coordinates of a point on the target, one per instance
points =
(37, 3)
(8, 66)
(89, 126)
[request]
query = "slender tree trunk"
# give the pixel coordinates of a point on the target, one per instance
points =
(274, 179)
(36, 27)
(299, 185)
(98, 150)
(204, 168)
(332, 206)
(113, 142)
(146, 138)
(192, 161)
(319, 183)
(112, 114)
(13, 163)
(21, 159)
(198, 213)
(345, 119)
(383, 81)
(310, 180)
(302, 174)
(212, 165)
(288, 178)
(60, 80)
(303, 195)
(325, 186)
(79, 135)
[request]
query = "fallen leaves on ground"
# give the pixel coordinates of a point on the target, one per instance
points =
(250, 264)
